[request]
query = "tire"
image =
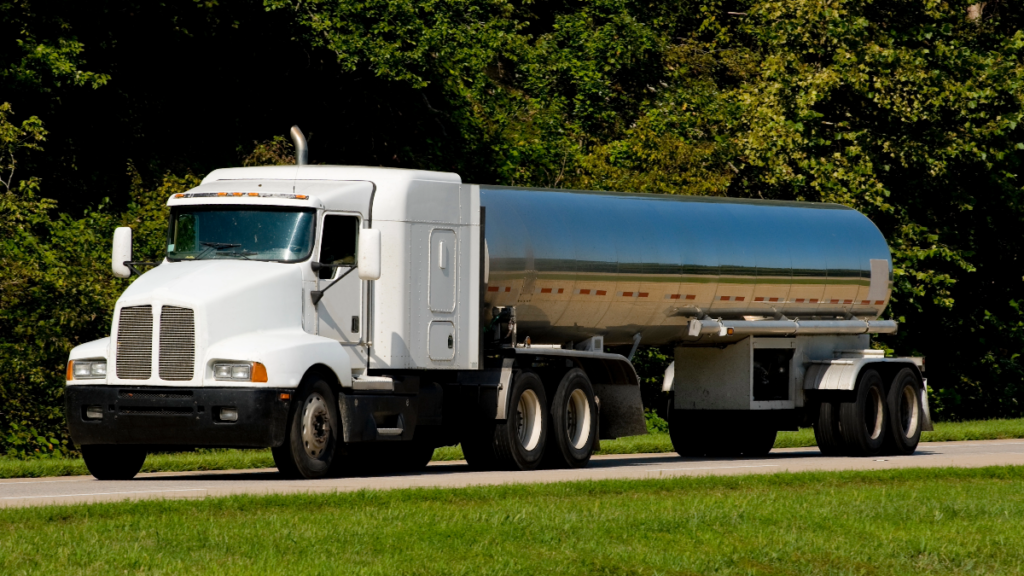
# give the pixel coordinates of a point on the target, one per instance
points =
(313, 434)
(520, 441)
(757, 442)
(826, 430)
(864, 423)
(905, 415)
(687, 439)
(113, 461)
(573, 418)
(413, 456)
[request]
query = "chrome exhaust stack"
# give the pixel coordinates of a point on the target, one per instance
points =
(301, 149)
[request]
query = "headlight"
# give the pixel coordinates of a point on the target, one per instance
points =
(239, 371)
(87, 369)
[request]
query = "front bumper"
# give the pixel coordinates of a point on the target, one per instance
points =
(177, 417)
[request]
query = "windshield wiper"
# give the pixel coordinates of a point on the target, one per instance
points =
(214, 246)
(242, 254)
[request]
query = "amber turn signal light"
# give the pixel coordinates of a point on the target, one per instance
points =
(259, 372)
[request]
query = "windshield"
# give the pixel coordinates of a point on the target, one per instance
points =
(250, 232)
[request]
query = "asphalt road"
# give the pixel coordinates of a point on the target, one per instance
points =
(81, 489)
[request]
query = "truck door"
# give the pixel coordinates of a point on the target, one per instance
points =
(340, 311)
(441, 279)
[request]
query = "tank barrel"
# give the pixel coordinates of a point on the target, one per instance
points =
(579, 264)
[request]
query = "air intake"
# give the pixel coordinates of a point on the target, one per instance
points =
(177, 343)
(135, 343)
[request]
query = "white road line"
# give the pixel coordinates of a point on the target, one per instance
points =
(103, 494)
(952, 445)
(714, 468)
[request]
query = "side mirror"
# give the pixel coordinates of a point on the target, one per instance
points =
(369, 254)
(121, 252)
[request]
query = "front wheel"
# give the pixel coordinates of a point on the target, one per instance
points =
(313, 432)
(113, 462)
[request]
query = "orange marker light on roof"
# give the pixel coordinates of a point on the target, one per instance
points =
(222, 193)
(179, 195)
(301, 196)
(236, 193)
(254, 193)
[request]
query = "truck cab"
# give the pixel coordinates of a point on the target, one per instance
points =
(273, 277)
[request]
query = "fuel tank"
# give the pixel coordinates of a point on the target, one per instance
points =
(579, 264)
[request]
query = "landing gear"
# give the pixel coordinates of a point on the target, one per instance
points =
(113, 462)
(696, 438)
(313, 434)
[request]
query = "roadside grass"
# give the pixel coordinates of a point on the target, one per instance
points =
(655, 442)
(911, 521)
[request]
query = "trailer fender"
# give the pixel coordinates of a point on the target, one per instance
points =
(287, 355)
(615, 383)
(840, 375)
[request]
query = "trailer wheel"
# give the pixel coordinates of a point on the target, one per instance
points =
(113, 461)
(520, 440)
(826, 430)
(904, 403)
(687, 440)
(573, 422)
(864, 422)
(757, 442)
(313, 432)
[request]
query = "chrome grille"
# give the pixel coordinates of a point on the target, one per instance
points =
(135, 343)
(177, 343)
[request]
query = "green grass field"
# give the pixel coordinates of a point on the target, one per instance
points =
(651, 443)
(925, 521)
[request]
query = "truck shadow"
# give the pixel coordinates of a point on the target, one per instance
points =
(443, 469)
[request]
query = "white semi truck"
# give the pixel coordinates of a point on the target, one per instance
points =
(351, 318)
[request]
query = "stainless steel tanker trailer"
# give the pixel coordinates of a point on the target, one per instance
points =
(353, 319)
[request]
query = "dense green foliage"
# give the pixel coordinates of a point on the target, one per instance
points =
(931, 521)
(910, 111)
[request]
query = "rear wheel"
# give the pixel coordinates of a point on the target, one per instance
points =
(520, 440)
(904, 403)
(864, 422)
(113, 461)
(826, 430)
(313, 433)
(573, 422)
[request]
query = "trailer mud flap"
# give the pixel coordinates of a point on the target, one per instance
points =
(621, 411)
